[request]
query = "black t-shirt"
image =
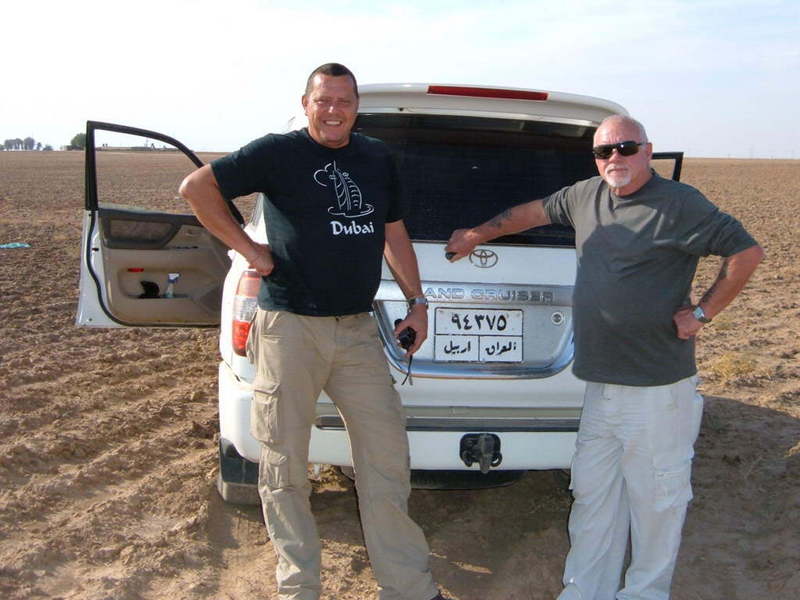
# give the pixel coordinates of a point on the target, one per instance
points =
(637, 257)
(325, 211)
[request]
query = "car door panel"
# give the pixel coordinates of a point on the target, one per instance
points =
(138, 256)
(142, 266)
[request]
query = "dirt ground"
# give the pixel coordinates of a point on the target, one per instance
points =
(108, 448)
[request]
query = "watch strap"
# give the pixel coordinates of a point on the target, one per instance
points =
(700, 314)
(417, 300)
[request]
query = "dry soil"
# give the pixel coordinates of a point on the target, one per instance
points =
(108, 437)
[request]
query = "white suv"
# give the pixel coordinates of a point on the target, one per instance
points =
(491, 393)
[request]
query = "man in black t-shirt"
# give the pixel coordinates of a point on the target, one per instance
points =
(333, 210)
(638, 238)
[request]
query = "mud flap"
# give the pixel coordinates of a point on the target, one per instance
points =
(237, 481)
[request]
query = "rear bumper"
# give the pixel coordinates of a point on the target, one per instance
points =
(434, 443)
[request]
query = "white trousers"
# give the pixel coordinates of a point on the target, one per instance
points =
(631, 474)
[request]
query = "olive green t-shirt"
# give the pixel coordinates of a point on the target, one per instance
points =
(637, 257)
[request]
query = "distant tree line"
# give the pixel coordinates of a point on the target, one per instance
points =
(27, 144)
(78, 142)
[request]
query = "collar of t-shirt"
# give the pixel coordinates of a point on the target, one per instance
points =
(321, 150)
(628, 198)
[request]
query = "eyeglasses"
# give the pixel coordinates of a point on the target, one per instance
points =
(628, 148)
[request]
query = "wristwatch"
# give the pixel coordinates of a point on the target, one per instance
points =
(700, 314)
(417, 300)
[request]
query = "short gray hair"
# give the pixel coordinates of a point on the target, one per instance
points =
(627, 121)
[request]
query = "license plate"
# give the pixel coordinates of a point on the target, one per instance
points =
(478, 335)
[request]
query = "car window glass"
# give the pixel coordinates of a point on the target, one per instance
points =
(460, 171)
(141, 173)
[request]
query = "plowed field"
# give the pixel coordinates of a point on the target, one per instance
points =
(108, 437)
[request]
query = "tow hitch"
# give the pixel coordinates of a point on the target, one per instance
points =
(481, 448)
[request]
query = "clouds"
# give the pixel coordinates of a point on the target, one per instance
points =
(215, 76)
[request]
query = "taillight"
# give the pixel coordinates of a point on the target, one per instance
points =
(479, 92)
(245, 303)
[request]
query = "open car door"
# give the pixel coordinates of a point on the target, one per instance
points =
(145, 258)
(668, 164)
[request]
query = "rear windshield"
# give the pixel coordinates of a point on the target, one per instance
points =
(461, 171)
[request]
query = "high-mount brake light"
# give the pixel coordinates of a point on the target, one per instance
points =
(245, 303)
(479, 92)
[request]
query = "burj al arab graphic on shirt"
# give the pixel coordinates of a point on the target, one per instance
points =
(348, 202)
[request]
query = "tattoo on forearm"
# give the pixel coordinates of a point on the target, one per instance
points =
(497, 221)
(723, 273)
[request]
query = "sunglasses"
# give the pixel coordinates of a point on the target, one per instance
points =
(628, 148)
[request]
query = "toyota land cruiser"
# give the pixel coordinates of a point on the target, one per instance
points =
(491, 390)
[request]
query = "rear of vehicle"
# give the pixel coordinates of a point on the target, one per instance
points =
(492, 388)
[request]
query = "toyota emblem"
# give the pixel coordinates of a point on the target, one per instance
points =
(483, 259)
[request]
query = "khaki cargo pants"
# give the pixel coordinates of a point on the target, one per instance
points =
(297, 357)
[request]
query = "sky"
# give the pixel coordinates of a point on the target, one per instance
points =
(710, 77)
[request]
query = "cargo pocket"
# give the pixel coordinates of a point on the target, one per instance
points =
(263, 323)
(273, 469)
(264, 416)
(673, 487)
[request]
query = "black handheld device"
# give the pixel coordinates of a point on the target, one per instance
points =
(405, 337)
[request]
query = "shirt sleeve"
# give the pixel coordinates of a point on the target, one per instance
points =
(706, 230)
(559, 206)
(246, 170)
(398, 203)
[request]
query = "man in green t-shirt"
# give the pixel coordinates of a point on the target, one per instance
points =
(333, 211)
(638, 239)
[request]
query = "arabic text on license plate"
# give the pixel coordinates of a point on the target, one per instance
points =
(478, 335)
